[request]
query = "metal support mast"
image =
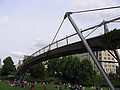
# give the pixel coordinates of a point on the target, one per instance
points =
(89, 49)
(106, 30)
(117, 55)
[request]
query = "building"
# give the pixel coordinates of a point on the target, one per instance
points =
(0, 63)
(102, 56)
(19, 63)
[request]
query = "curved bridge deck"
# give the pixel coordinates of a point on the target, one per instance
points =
(95, 43)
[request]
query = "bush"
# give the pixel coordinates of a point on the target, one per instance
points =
(115, 81)
(52, 79)
(32, 80)
(7, 77)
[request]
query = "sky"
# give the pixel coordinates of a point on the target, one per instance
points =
(28, 25)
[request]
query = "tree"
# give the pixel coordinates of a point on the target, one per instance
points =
(112, 37)
(37, 71)
(71, 68)
(118, 71)
(0, 71)
(53, 66)
(87, 72)
(8, 67)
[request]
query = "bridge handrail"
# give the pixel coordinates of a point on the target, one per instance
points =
(99, 25)
(54, 43)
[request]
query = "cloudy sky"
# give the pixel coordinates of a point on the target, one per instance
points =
(28, 25)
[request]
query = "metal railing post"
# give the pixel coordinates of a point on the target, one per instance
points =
(67, 40)
(39, 52)
(89, 50)
(57, 44)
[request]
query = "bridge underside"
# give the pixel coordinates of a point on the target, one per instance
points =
(95, 43)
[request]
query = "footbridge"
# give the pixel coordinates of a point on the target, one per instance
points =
(95, 43)
(84, 45)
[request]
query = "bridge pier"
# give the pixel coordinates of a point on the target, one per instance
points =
(89, 50)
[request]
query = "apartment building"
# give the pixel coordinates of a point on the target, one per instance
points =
(101, 56)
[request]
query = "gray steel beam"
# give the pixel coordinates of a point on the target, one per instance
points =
(117, 55)
(89, 50)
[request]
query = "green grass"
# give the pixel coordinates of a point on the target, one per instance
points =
(48, 87)
(8, 87)
(4, 86)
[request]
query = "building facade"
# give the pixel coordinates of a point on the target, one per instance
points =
(101, 56)
(0, 63)
(19, 63)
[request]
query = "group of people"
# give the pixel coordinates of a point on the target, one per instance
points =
(59, 86)
(74, 86)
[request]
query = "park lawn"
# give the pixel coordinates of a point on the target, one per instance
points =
(4, 86)
(104, 88)
(48, 87)
(8, 87)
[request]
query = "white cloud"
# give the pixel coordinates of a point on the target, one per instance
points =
(79, 5)
(18, 54)
(40, 43)
(56, 0)
(4, 19)
(87, 4)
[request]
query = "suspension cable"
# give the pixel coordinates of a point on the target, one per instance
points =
(91, 32)
(56, 33)
(97, 9)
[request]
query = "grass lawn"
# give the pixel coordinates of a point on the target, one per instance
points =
(4, 86)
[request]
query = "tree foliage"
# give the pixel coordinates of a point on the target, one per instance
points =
(112, 37)
(118, 71)
(71, 68)
(37, 71)
(8, 67)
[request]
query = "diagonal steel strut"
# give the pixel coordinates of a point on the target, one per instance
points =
(89, 50)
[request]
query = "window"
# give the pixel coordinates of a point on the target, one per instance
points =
(109, 65)
(105, 58)
(105, 65)
(100, 58)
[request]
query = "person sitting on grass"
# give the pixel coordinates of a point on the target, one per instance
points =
(60, 88)
(44, 88)
(32, 87)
